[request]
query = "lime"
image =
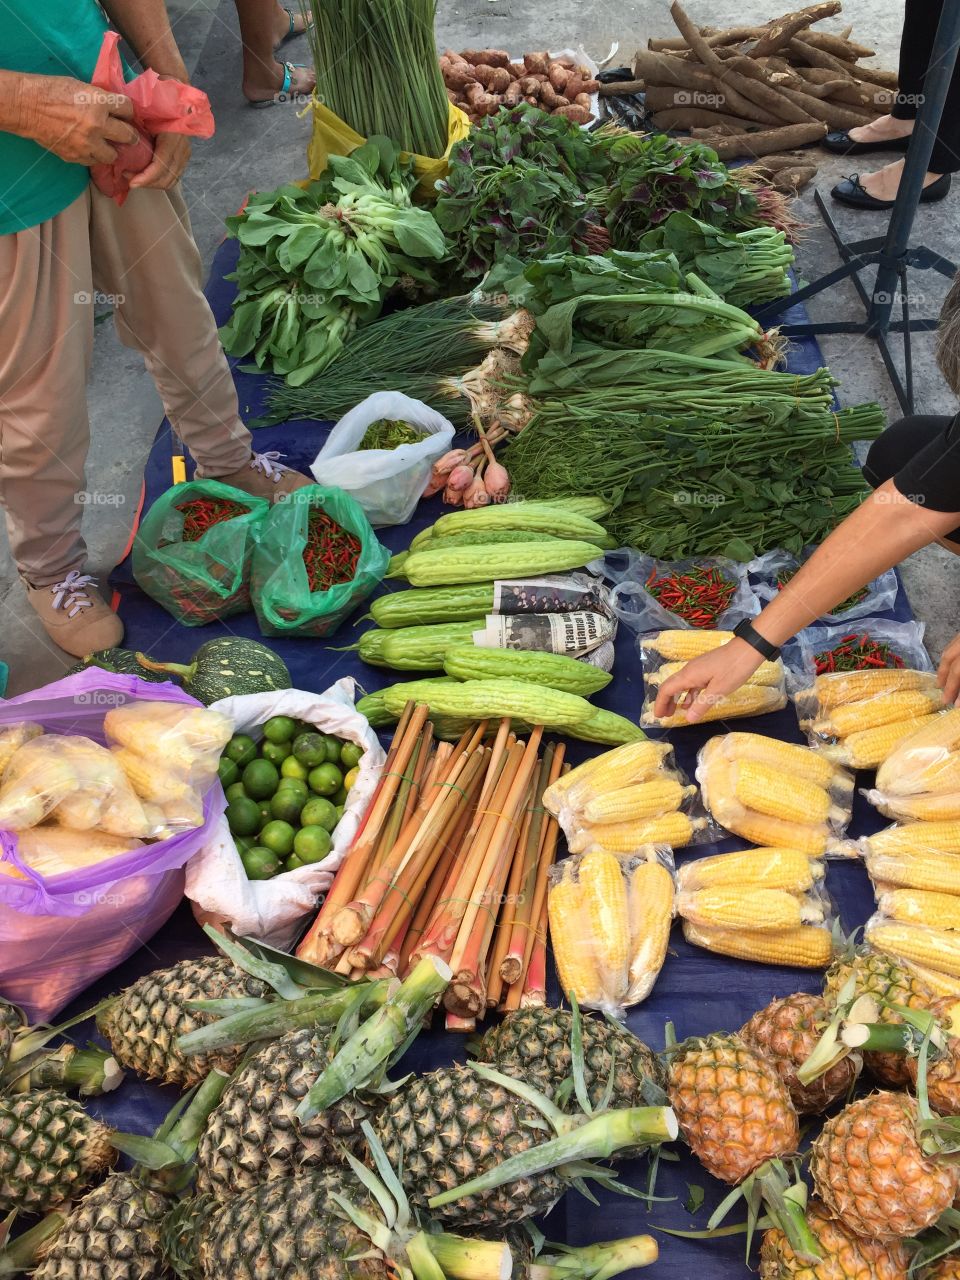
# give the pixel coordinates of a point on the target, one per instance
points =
(276, 752)
(311, 844)
(350, 754)
(292, 768)
(325, 779)
(243, 816)
(235, 791)
(244, 842)
(319, 812)
(296, 785)
(310, 749)
(292, 863)
(265, 812)
(339, 812)
(333, 746)
(259, 863)
(350, 778)
(241, 749)
(340, 797)
(278, 837)
(286, 805)
(260, 779)
(280, 729)
(228, 771)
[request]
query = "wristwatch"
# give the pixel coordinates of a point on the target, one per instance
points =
(745, 630)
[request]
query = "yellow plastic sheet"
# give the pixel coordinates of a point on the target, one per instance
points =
(333, 136)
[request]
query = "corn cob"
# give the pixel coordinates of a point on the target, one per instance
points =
(870, 747)
(633, 762)
(651, 900)
(941, 984)
(760, 828)
(642, 800)
(674, 829)
(748, 700)
(920, 906)
(929, 761)
(939, 777)
(12, 739)
(798, 761)
(730, 907)
(837, 687)
(768, 790)
(56, 851)
(149, 781)
(576, 964)
(686, 643)
(915, 870)
(934, 948)
(788, 869)
(919, 837)
(887, 708)
(603, 892)
(924, 807)
(807, 947)
(766, 673)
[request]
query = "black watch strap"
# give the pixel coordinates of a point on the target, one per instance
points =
(745, 630)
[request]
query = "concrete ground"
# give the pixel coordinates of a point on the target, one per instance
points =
(263, 149)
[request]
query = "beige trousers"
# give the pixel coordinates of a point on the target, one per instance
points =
(144, 259)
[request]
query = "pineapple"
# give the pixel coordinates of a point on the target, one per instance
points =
(253, 1137)
(943, 1065)
(11, 1021)
(787, 1032)
(870, 1171)
(144, 1022)
(50, 1150)
(947, 1269)
(535, 1045)
(113, 1233)
(844, 1255)
(886, 981)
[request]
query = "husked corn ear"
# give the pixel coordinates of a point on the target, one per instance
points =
(576, 964)
(633, 762)
(917, 837)
(799, 762)
(807, 947)
(748, 908)
(768, 790)
(925, 807)
(766, 673)
(934, 948)
(148, 780)
(941, 984)
(642, 800)
(836, 687)
(685, 643)
(55, 851)
(12, 739)
(674, 829)
(748, 700)
(887, 708)
(916, 870)
(921, 906)
(763, 829)
(651, 916)
(867, 748)
(604, 894)
(935, 778)
(927, 761)
(789, 869)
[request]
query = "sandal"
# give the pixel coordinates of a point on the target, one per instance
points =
(283, 94)
(292, 33)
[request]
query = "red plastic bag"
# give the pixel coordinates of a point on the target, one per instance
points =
(159, 106)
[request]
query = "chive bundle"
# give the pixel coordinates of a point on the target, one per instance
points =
(377, 69)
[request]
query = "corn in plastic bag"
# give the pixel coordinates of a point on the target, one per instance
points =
(173, 737)
(632, 763)
(804, 947)
(926, 945)
(13, 737)
(56, 851)
(666, 652)
(920, 779)
(749, 869)
(748, 907)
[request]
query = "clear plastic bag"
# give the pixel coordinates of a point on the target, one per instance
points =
(623, 766)
(13, 738)
(810, 946)
(925, 768)
(904, 638)
(387, 483)
(765, 572)
(928, 945)
(763, 868)
(667, 652)
(639, 610)
(754, 908)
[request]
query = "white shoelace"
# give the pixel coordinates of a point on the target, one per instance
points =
(269, 464)
(71, 594)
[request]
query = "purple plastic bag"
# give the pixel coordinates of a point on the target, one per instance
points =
(58, 934)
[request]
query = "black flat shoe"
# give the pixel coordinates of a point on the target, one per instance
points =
(841, 144)
(850, 191)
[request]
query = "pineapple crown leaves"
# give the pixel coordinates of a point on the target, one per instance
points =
(30, 1050)
(287, 975)
(23, 1253)
(782, 1192)
(175, 1142)
(937, 1242)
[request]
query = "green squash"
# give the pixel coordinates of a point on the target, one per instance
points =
(226, 667)
(122, 661)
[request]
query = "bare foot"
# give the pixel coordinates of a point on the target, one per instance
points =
(263, 87)
(881, 130)
(884, 184)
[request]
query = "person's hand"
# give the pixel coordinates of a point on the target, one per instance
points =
(171, 154)
(948, 673)
(711, 676)
(76, 121)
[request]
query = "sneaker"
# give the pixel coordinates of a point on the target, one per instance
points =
(77, 619)
(265, 476)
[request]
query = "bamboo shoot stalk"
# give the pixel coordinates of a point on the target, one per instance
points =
(511, 966)
(455, 1023)
(407, 792)
(318, 946)
(514, 890)
(441, 754)
(534, 994)
(465, 995)
(443, 875)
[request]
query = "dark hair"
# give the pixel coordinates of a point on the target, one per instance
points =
(948, 337)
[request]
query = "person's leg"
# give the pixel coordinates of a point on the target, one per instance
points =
(263, 23)
(919, 25)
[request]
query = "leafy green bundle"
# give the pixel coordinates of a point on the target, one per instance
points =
(315, 262)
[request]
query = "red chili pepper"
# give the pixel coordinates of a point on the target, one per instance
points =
(698, 595)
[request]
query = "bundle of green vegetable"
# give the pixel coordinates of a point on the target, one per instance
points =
(743, 267)
(685, 485)
(317, 261)
(377, 69)
(517, 187)
(390, 434)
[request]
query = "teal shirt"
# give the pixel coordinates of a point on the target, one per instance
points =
(54, 38)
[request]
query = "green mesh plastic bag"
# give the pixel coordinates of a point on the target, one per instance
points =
(316, 560)
(197, 569)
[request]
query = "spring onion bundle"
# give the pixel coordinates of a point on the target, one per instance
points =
(377, 69)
